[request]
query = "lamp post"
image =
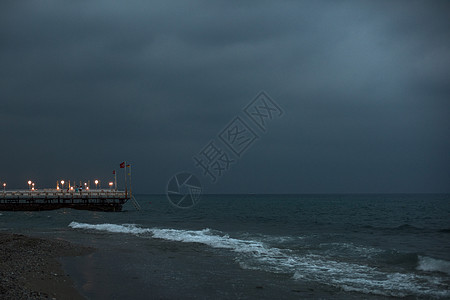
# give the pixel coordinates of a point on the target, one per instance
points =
(29, 184)
(96, 183)
(4, 187)
(62, 184)
(111, 185)
(32, 188)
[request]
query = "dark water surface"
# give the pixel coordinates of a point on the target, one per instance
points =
(257, 246)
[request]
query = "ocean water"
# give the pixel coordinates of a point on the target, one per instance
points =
(257, 247)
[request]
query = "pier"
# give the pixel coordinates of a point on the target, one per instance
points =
(74, 196)
(49, 199)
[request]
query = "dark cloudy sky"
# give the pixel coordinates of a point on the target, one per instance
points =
(365, 86)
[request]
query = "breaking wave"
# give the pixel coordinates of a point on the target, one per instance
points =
(325, 269)
(125, 228)
(429, 264)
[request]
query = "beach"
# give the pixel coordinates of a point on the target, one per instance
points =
(29, 268)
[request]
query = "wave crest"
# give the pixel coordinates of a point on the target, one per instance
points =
(429, 264)
(125, 228)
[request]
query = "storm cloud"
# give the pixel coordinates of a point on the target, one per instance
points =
(364, 85)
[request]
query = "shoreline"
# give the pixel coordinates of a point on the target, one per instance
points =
(29, 267)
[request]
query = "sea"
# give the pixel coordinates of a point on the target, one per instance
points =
(256, 247)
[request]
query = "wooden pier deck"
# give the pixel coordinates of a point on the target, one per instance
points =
(49, 199)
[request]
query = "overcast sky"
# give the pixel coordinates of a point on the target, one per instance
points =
(364, 86)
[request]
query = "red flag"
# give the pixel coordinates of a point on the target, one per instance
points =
(122, 165)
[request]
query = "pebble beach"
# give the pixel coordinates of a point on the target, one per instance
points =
(29, 268)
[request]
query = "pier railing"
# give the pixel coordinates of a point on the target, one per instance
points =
(63, 196)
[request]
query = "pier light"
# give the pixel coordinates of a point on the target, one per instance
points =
(62, 184)
(29, 184)
(111, 184)
(96, 183)
(4, 186)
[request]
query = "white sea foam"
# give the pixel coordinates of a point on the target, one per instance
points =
(254, 254)
(125, 228)
(429, 264)
(204, 236)
(387, 284)
(355, 249)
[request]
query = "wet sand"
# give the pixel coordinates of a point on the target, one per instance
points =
(29, 268)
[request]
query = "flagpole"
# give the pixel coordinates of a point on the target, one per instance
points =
(115, 180)
(130, 182)
(126, 179)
